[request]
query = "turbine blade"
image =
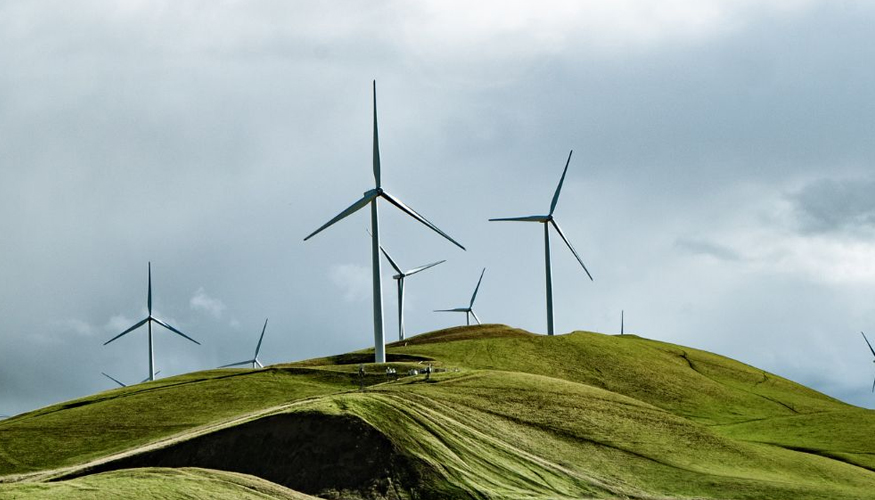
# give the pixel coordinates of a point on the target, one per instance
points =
(867, 342)
(456, 310)
(559, 187)
(174, 330)
(113, 379)
(138, 325)
(238, 364)
(370, 195)
(258, 347)
(873, 386)
(394, 264)
(149, 299)
(423, 268)
(257, 362)
(147, 378)
(559, 230)
(477, 288)
(528, 218)
(475, 317)
(376, 141)
(409, 211)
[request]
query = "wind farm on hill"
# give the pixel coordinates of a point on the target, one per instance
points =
(477, 411)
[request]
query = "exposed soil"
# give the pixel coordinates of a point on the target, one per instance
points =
(328, 456)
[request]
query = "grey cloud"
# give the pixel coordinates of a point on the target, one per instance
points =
(832, 206)
(212, 147)
(697, 246)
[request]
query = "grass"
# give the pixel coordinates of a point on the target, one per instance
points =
(516, 415)
(124, 418)
(155, 484)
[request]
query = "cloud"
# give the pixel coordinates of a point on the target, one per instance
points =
(204, 303)
(353, 280)
(698, 246)
(831, 206)
(118, 323)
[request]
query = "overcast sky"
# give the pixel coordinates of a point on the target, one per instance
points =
(720, 192)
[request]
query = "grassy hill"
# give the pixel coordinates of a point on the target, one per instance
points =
(515, 415)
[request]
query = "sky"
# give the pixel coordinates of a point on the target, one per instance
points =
(720, 190)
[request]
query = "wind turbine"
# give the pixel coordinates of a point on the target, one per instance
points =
(370, 197)
(254, 361)
(470, 309)
(622, 322)
(149, 320)
(547, 221)
(873, 354)
(121, 384)
(399, 278)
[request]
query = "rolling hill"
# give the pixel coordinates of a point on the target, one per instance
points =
(507, 414)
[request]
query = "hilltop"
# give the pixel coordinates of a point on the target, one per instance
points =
(508, 414)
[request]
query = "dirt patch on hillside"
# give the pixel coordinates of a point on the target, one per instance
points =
(332, 457)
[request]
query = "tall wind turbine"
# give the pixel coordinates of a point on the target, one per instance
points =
(547, 221)
(873, 354)
(254, 361)
(399, 278)
(370, 197)
(149, 320)
(470, 309)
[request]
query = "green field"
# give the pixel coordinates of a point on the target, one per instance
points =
(510, 415)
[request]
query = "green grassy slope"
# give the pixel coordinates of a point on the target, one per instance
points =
(123, 418)
(147, 484)
(516, 416)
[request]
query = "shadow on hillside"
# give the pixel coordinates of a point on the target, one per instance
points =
(329, 456)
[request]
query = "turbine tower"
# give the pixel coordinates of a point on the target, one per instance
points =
(399, 278)
(370, 197)
(149, 320)
(873, 354)
(470, 309)
(622, 322)
(547, 221)
(254, 361)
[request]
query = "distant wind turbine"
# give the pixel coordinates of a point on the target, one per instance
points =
(370, 197)
(149, 319)
(470, 309)
(622, 322)
(873, 354)
(548, 220)
(399, 278)
(254, 361)
(122, 384)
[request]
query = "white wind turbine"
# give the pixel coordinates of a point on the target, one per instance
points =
(254, 361)
(123, 384)
(469, 311)
(873, 354)
(149, 319)
(399, 278)
(370, 197)
(547, 221)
